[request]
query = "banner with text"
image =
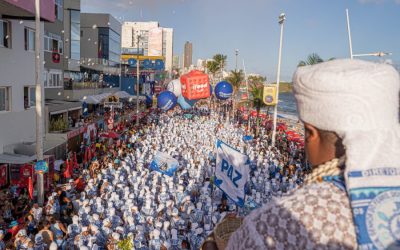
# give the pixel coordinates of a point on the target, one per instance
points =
(232, 172)
(164, 164)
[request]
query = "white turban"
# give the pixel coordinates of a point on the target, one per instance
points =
(359, 101)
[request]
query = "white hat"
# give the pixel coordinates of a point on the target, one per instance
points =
(199, 231)
(38, 238)
(174, 234)
(119, 229)
(84, 229)
(22, 232)
(166, 225)
(158, 224)
(156, 234)
(94, 228)
(53, 246)
(359, 101)
(116, 236)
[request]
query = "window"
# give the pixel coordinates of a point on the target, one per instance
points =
(59, 9)
(29, 39)
(45, 79)
(29, 97)
(53, 43)
(75, 34)
(4, 99)
(53, 79)
(5, 33)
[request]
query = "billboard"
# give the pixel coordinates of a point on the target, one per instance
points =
(269, 94)
(155, 42)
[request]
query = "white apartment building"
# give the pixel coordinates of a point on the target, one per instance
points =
(17, 83)
(154, 40)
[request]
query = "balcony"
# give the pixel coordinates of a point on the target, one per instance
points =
(25, 9)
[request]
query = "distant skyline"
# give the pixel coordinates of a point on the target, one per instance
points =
(221, 26)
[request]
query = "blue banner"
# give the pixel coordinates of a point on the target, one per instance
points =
(232, 172)
(164, 164)
(247, 138)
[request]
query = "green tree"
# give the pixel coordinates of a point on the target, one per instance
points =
(256, 101)
(217, 64)
(213, 68)
(235, 78)
(220, 59)
(312, 59)
(252, 80)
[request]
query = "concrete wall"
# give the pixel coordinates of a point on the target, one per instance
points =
(17, 70)
(89, 49)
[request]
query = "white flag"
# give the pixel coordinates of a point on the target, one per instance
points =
(232, 172)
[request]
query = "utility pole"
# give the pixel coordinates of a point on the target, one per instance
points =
(349, 34)
(39, 104)
(282, 19)
(236, 54)
(137, 81)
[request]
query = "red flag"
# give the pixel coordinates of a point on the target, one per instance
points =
(30, 188)
(75, 161)
(85, 158)
(80, 184)
(67, 172)
(89, 154)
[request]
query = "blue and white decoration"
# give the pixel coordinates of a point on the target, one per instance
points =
(232, 172)
(85, 110)
(376, 210)
(164, 164)
(185, 103)
(132, 62)
(175, 87)
(223, 90)
(166, 100)
(247, 138)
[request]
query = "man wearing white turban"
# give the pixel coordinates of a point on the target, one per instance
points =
(350, 110)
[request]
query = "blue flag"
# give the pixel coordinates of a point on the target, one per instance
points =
(232, 172)
(164, 164)
(247, 138)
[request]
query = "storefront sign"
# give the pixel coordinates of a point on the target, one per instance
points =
(113, 104)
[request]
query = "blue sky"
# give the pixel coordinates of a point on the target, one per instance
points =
(221, 26)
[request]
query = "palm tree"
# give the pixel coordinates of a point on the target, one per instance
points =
(254, 79)
(256, 100)
(236, 77)
(221, 60)
(213, 68)
(312, 59)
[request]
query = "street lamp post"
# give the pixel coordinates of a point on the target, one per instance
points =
(39, 105)
(236, 54)
(282, 19)
(379, 54)
(137, 81)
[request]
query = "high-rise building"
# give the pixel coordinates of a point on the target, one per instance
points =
(155, 41)
(176, 62)
(187, 60)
